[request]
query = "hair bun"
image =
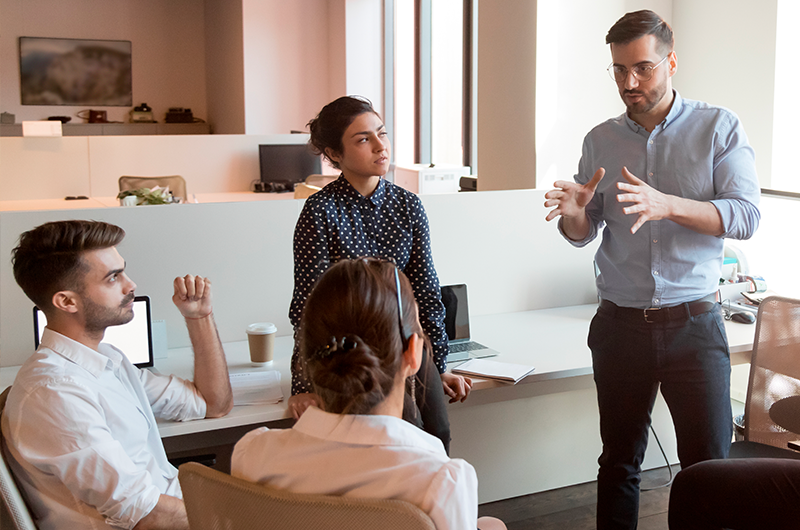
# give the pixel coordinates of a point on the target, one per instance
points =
(349, 368)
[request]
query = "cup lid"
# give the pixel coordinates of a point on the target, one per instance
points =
(261, 328)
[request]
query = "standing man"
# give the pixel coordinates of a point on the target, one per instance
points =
(680, 178)
(80, 421)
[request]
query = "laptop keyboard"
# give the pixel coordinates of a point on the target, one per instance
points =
(466, 346)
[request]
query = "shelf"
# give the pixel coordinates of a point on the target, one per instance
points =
(118, 129)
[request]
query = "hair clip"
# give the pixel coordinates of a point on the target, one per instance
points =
(344, 344)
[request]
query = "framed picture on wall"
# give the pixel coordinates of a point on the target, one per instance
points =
(76, 72)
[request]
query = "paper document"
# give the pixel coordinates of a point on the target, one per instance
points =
(256, 388)
(508, 372)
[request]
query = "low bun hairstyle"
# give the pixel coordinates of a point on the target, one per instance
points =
(328, 128)
(350, 338)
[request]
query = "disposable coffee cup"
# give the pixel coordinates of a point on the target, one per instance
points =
(261, 338)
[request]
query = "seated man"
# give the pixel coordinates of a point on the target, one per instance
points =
(80, 418)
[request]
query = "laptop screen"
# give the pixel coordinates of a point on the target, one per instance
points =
(134, 339)
(456, 318)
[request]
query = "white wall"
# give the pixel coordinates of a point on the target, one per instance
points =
(225, 66)
(285, 63)
(574, 91)
(726, 56)
(167, 44)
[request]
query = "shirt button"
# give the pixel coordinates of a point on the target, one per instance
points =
(655, 300)
(650, 142)
(651, 173)
(655, 272)
(655, 241)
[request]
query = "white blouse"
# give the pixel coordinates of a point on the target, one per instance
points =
(380, 457)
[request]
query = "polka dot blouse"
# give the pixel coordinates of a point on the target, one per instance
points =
(338, 222)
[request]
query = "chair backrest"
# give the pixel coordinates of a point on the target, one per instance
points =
(320, 181)
(217, 501)
(175, 182)
(304, 191)
(12, 498)
(774, 370)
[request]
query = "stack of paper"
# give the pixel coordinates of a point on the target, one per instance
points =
(486, 369)
(256, 388)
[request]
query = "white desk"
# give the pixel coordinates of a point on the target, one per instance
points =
(556, 403)
(552, 340)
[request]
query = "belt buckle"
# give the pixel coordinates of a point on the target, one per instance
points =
(646, 319)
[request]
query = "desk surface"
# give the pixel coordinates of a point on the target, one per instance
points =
(552, 340)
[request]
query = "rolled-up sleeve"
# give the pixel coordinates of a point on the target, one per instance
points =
(594, 210)
(735, 181)
(172, 398)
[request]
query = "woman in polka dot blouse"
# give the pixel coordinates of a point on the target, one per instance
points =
(360, 214)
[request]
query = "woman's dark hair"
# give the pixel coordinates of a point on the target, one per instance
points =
(48, 259)
(350, 337)
(328, 127)
(638, 24)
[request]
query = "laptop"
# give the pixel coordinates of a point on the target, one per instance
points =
(135, 338)
(456, 324)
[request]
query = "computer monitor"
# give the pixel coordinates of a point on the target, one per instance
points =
(134, 339)
(287, 162)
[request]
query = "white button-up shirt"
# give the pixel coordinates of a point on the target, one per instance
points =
(378, 457)
(82, 437)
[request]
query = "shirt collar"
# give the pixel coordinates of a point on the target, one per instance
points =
(674, 112)
(365, 430)
(94, 362)
(343, 187)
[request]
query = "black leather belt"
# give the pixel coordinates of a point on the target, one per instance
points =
(656, 315)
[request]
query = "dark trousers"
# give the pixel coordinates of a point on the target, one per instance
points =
(740, 494)
(430, 412)
(690, 360)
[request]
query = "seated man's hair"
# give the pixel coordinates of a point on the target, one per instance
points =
(48, 258)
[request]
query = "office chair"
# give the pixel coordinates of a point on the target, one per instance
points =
(216, 501)
(175, 182)
(17, 509)
(771, 407)
(320, 181)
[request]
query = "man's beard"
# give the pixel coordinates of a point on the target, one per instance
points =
(649, 99)
(98, 317)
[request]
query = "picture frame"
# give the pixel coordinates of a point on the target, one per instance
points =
(76, 72)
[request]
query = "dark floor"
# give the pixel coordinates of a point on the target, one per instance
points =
(573, 507)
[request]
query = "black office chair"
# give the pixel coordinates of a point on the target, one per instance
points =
(772, 408)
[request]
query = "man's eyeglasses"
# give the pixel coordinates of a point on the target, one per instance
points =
(642, 72)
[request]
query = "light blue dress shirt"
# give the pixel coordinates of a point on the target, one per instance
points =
(698, 152)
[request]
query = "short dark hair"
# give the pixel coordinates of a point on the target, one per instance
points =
(350, 338)
(47, 259)
(327, 129)
(638, 24)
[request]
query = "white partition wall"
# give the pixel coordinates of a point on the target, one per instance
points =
(498, 243)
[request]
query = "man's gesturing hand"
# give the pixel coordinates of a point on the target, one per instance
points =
(649, 203)
(569, 199)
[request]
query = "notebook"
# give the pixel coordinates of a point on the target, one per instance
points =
(456, 324)
(510, 373)
(134, 339)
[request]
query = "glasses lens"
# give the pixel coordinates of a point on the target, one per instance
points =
(643, 73)
(617, 73)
